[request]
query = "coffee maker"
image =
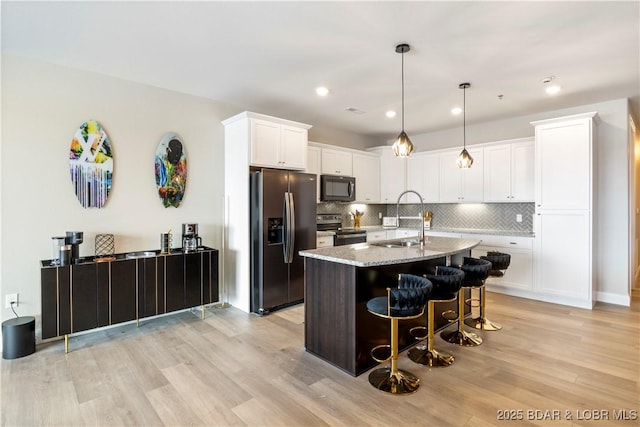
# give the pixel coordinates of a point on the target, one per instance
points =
(190, 239)
(74, 238)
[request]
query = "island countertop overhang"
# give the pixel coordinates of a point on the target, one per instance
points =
(376, 254)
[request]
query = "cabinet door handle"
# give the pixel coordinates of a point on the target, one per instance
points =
(512, 243)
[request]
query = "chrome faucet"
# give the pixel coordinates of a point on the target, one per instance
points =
(421, 231)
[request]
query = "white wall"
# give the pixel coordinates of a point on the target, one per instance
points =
(42, 105)
(612, 213)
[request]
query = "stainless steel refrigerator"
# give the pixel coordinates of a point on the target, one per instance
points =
(283, 222)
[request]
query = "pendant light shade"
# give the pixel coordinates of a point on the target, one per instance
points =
(464, 160)
(402, 147)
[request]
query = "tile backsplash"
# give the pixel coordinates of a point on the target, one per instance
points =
(481, 216)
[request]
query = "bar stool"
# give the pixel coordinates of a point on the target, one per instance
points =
(499, 263)
(475, 272)
(407, 301)
(446, 284)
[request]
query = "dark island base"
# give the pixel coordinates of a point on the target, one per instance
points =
(338, 327)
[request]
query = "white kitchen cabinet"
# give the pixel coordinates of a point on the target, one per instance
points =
(509, 172)
(461, 185)
(402, 233)
(564, 165)
(336, 162)
(366, 170)
(519, 274)
(324, 241)
(423, 175)
(563, 256)
(276, 144)
(376, 236)
(393, 175)
(313, 166)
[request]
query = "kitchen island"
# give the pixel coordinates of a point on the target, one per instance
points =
(340, 280)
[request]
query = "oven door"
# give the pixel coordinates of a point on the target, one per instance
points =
(349, 239)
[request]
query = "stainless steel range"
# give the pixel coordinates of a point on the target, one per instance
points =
(342, 236)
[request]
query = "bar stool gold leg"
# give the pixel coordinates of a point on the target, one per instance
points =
(482, 322)
(391, 379)
(461, 337)
(430, 356)
(66, 344)
(202, 312)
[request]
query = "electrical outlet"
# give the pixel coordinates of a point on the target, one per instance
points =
(518, 218)
(9, 298)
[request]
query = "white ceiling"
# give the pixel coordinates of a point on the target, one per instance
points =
(269, 56)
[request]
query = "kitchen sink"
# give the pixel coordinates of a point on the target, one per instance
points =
(144, 254)
(398, 244)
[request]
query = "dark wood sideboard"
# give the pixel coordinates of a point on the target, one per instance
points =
(89, 294)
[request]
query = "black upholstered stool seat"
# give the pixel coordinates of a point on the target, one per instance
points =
(446, 284)
(407, 301)
(499, 262)
(476, 272)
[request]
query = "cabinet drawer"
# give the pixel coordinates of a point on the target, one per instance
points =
(376, 236)
(502, 241)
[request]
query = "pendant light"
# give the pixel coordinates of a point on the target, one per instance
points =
(464, 160)
(402, 147)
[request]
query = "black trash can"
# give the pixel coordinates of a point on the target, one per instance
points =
(18, 337)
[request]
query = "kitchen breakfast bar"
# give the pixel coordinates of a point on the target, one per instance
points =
(340, 280)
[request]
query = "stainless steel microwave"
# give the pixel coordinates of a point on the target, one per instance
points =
(335, 188)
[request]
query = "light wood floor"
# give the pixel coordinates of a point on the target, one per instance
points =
(238, 369)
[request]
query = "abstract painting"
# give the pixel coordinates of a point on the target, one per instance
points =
(171, 170)
(91, 164)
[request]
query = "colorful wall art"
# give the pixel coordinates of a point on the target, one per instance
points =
(171, 170)
(91, 164)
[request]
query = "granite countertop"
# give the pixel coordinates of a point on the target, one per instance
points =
(514, 233)
(375, 254)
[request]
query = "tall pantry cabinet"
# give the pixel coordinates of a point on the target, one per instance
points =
(564, 208)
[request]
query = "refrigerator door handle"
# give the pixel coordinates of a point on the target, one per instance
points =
(292, 228)
(285, 226)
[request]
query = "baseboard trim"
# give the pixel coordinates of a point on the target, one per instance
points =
(610, 298)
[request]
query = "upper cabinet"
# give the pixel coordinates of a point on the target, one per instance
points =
(393, 175)
(313, 166)
(366, 170)
(336, 162)
(274, 142)
(423, 175)
(461, 185)
(564, 174)
(509, 172)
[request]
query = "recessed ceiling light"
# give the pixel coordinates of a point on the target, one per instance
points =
(322, 91)
(552, 89)
(456, 110)
(390, 114)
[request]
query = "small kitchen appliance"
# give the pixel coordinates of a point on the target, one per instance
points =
(57, 242)
(74, 239)
(190, 239)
